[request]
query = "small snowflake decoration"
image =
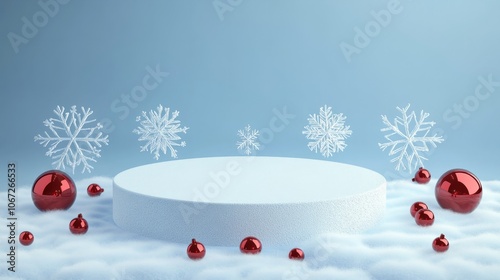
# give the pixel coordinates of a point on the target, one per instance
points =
(408, 138)
(248, 142)
(160, 131)
(72, 140)
(327, 132)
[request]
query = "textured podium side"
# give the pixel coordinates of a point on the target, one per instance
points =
(221, 200)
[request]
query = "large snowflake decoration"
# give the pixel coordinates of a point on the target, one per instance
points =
(160, 130)
(327, 132)
(79, 142)
(408, 139)
(248, 141)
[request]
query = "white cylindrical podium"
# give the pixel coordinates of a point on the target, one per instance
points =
(221, 200)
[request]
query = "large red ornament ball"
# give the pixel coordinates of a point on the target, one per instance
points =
(195, 250)
(53, 190)
(424, 217)
(423, 176)
(26, 238)
(250, 245)
(296, 254)
(417, 206)
(78, 225)
(440, 244)
(94, 190)
(459, 190)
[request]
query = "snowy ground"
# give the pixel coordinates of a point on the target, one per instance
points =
(395, 249)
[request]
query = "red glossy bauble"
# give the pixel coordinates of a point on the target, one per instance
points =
(250, 245)
(53, 190)
(424, 217)
(417, 206)
(440, 244)
(296, 254)
(26, 238)
(78, 225)
(423, 176)
(195, 250)
(94, 190)
(459, 190)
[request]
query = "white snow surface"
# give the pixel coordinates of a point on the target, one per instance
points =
(394, 249)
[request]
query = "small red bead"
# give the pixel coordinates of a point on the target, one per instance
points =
(78, 225)
(440, 244)
(417, 206)
(424, 217)
(250, 245)
(296, 254)
(195, 250)
(26, 238)
(423, 176)
(94, 190)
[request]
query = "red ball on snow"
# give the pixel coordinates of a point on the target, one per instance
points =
(78, 225)
(424, 217)
(296, 254)
(94, 190)
(440, 244)
(417, 206)
(423, 176)
(53, 190)
(26, 238)
(250, 245)
(195, 250)
(459, 190)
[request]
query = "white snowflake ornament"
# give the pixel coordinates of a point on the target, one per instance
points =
(327, 132)
(408, 138)
(160, 131)
(248, 143)
(79, 142)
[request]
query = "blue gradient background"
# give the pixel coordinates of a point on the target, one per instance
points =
(263, 55)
